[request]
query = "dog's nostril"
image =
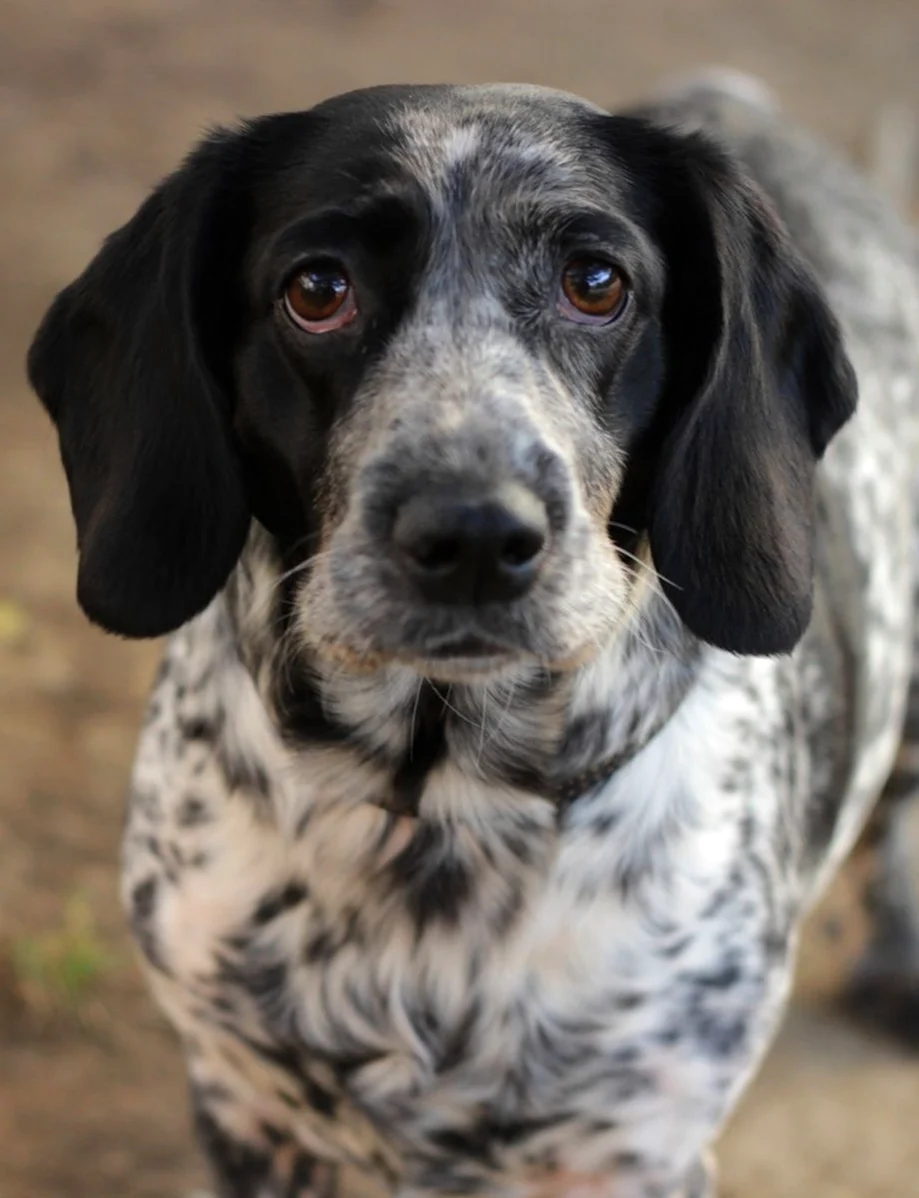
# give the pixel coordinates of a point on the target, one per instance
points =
(481, 550)
(521, 547)
(440, 553)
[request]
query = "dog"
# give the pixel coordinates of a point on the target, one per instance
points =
(541, 598)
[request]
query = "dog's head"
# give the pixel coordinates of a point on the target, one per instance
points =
(462, 351)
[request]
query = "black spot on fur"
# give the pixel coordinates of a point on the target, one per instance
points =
(436, 884)
(628, 1001)
(319, 1098)
(303, 1175)
(320, 947)
(241, 1169)
(456, 1043)
(278, 903)
(601, 825)
(301, 714)
(427, 749)
(241, 773)
(671, 1034)
(142, 911)
(585, 738)
(273, 1135)
(627, 1162)
(513, 1131)
(200, 728)
(473, 1143)
(193, 812)
(146, 802)
(721, 979)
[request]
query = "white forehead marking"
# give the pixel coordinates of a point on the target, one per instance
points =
(438, 138)
(460, 143)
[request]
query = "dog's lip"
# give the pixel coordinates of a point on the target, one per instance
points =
(465, 647)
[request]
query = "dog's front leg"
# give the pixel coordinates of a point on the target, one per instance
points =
(259, 1161)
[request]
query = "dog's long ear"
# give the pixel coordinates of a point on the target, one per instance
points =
(757, 382)
(133, 363)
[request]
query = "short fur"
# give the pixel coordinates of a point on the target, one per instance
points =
(383, 936)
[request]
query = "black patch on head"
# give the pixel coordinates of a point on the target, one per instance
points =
(180, 412)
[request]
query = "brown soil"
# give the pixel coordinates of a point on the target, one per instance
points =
(97, 99)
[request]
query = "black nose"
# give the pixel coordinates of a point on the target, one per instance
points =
(472, 550)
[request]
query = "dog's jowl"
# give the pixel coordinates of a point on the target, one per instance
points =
(527, 493)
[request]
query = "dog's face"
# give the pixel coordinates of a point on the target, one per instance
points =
(462, 303)
(464, 351)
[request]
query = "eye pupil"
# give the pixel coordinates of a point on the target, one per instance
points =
(321, 292)
(319, 297)
(593, 288)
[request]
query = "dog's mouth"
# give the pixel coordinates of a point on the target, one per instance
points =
(469, 657)
(468, 646)
(475, 660)
(465, 656)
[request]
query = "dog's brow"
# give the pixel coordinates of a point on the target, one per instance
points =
(351, 218)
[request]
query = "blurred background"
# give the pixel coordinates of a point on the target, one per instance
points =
(98, 98)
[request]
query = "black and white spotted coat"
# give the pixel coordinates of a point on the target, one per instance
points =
(494, 988)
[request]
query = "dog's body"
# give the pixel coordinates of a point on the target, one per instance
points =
(531, 927)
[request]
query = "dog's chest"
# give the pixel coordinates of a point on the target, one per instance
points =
(498, 992)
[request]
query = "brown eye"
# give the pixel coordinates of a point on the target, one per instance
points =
(319, 297)
(593, 291)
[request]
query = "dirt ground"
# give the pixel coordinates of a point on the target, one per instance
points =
(97, 99)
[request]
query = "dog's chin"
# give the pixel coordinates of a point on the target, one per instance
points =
(469, 670)
(461, 662)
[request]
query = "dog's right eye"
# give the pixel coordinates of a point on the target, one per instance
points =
(593, 291)
(319, 297)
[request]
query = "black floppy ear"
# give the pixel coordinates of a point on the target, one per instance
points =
(132, 362)
(757, 383)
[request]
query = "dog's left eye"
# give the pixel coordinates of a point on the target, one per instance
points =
(592, 291)
(319, 297)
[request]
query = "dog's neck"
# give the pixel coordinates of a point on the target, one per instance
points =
(555, 735)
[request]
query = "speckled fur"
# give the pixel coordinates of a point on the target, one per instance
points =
(497, 995)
